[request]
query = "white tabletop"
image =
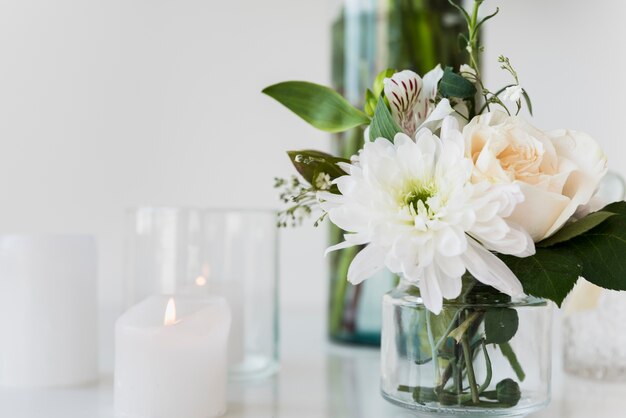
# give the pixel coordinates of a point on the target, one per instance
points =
(317, 380)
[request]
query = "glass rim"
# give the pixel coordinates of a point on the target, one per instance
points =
(526, 301)
(414, 299)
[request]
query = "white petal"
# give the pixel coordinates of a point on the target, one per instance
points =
(450, 132)
(431, 81)
(427, 143)
(490, 270)
(367, 262)
(440, 112)
(430, 291)
(450, 286)
(350, 241)
(539, 210)
(582, 183)
(515, 242)
(340, 246)
(451, 266)
(403, 91)
(451, 242)
(345, 166)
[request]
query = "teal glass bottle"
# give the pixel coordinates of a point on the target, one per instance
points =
(369, 36)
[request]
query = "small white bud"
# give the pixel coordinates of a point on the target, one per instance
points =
(322, 181)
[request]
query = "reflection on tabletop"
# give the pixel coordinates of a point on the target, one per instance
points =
(316, 380)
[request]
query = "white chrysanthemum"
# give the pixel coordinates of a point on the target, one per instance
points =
(415, 208)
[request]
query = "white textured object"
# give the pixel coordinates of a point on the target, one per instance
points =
(48, 310)
(172, 362)
(595, 344)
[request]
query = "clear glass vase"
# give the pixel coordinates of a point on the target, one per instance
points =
(369, 36)
(230, 253)
(484, 355)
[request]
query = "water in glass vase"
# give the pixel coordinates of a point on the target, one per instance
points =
(483, 355)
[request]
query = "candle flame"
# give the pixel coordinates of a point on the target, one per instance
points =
(170, 313)
(200, 281)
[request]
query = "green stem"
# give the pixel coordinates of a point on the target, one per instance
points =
(433, 349)
(471, 377)
(451, 326)
(509, 354)
(487, 381)
(341, 287)
(473, 36)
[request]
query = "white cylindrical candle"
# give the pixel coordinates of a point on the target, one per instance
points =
(171, 358)
(48, 311)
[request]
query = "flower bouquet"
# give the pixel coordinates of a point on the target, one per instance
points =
(484, 217)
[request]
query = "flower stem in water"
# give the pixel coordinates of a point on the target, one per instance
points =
(471, 377)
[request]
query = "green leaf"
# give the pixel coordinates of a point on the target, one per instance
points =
(370, 103)
(462, 10)
(486, 18)
(574, 229)
(310, 163)
(379, 85)
(383, 125)
(500, 325)
(550, 273)
(459, 332)
(529, 103)
(455, 85)
(320, 106)
(602, 250)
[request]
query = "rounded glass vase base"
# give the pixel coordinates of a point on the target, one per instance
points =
(255, 367)
(425, 411)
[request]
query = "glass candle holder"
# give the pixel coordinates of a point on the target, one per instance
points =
(229, 253)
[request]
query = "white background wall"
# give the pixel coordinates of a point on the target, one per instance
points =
(110, 104)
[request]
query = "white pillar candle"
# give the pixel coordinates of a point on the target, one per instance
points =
(171, 358)
(48, 311)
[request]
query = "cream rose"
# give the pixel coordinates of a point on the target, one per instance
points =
(557, 171)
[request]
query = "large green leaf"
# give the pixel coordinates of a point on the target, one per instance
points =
(320, 106)
(602, 250)
(455, 85)
(383, 125)
(310, 163)
(574, 229)
(500, 325)
(550, 273)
